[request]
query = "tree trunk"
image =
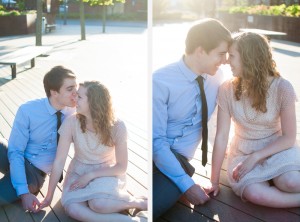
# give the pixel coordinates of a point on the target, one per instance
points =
(103, 18)
(82, 20)
(38, 23)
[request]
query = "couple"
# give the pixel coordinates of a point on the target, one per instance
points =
(263, 160)
(94, 187)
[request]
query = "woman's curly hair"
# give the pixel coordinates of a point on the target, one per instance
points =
(257, 64)
(100, 105)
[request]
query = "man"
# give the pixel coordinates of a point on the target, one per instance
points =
(177, 113)
(33, 140)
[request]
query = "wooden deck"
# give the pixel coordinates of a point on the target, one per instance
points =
(27, 86)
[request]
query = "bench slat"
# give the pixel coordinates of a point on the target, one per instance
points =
(23, 55)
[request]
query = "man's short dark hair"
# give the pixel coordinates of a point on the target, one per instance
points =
(207, 33)
(54, 79)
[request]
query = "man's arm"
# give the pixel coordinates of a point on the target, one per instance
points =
(163, 157)
(16, 146)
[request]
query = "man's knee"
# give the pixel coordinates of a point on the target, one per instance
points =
(165, 194)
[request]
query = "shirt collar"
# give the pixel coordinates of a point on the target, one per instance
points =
(51, 109)
(187, 72)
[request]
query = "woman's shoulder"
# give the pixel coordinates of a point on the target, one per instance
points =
(119, 125)
(119, 130)
(226, 85)
(284, 83)
(71, 118)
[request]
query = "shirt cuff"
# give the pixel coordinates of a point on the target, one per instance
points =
(185, 183)
(22, 190)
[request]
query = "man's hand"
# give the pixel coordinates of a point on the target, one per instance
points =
(30, 202)
(196, 195)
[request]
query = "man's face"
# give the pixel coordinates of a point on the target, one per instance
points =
(66, 96)
(214, 58)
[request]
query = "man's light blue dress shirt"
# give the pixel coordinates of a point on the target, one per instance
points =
(177, 117)
(33, 136)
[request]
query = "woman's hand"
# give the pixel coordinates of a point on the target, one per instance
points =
(245, 167)
(45, 203)
(81, 182)
(212, 188)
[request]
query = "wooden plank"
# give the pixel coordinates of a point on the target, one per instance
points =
(4, 127)
(15, 212)
(180, 213)
(45, 215)
(56, 204)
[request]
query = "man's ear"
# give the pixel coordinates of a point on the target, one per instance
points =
(53, 93)
(200, 51)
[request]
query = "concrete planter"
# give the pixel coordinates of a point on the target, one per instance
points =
(289, 25)
(17, 25)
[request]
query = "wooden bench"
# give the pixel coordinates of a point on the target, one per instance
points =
(267, 33)
(23, 55)
(49, 27)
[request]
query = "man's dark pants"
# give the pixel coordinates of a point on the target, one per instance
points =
(35, 177)
(165, 193)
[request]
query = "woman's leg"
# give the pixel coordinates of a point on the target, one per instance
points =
(81, 212)
(271, 196)
(105, 206)
(288, 182)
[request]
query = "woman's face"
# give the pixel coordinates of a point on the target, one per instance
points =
(235, 60)
(82, 106)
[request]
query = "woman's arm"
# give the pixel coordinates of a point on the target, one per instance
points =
(58, 165)
(219, 149)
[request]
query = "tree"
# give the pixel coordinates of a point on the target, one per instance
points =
(104, 4)
(38, 28)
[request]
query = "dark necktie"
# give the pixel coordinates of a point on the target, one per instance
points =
(58, 115)
(204, 121)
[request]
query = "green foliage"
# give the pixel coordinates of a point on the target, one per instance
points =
(277, 10)
(21, 5)
(8, 13)
(103, 2)
(293, 10)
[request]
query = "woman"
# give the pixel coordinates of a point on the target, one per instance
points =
(94, 188)
(263, 160)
